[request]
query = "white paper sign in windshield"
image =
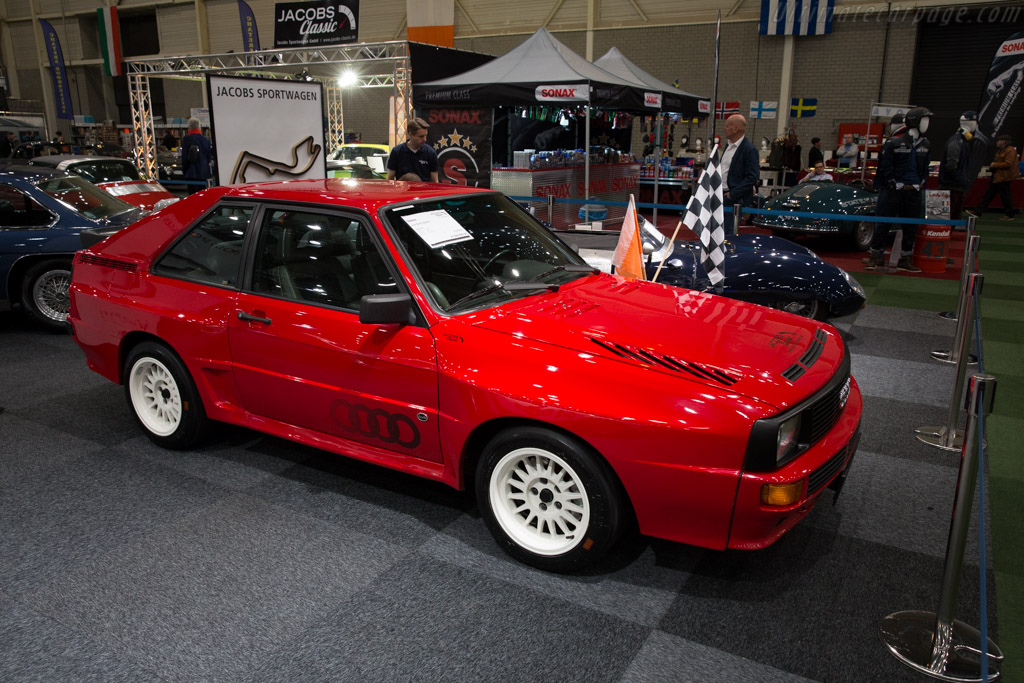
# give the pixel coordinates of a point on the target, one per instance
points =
(437, 228)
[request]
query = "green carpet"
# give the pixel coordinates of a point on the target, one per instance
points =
(1002, 308)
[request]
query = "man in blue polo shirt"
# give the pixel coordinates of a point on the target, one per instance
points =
(414, 155)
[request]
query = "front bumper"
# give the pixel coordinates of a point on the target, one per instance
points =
(755, 525)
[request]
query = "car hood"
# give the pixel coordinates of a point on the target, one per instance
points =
(768, 355)
(824, 198)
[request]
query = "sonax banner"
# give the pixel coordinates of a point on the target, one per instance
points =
(462, 140)
(1000, 101)
(316, 23)
(286, 140)
(573, 92)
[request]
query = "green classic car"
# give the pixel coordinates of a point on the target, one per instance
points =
(822, 197)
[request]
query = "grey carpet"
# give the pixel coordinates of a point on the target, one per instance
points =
(255, 559)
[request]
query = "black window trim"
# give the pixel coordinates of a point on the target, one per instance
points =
(154, 268)
(54, 216)
(348, 212)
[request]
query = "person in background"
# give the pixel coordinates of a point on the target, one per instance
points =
(740, 166)
(902, 172)
(195, 157)
(414, 155)
(848, 152)
(815, 155)
(7, 144)
(956, 159)
(170, 140)
(817, 173)
(58, 140)
(1005, 170)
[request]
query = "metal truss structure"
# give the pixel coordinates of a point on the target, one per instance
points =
(376, 65)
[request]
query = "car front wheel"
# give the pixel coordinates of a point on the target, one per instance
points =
(163, 396)
(862, 234)
(45, 293)
(548, 500)
(807, 308)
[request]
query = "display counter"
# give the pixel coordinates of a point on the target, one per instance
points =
(608, 182)
(670, 191)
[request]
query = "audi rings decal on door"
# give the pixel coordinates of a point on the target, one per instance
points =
(375, 423)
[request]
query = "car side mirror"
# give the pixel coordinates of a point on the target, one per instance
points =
(386, 309)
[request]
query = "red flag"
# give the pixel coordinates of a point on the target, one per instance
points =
(628, 258)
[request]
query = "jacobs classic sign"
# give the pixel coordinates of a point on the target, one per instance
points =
(317, 23)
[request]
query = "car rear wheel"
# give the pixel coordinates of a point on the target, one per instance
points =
(45, 293)
(548, 500)
(862, 235)
(163, 396)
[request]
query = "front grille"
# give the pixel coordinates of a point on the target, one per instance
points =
(704, 372)
(823, 414)
(116, 264)
(832, 466)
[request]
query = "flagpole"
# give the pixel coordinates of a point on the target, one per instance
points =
(714, 91)
(671, 248)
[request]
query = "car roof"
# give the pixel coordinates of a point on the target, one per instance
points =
(369, 195)
(64, 160)
(21, 171)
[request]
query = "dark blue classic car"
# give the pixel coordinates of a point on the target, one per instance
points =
(762, 269)
(42, 214)
(823, 197)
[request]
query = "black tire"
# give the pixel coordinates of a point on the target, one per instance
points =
(44, 293)
(549, 501)
(163, 397)
(860, 238)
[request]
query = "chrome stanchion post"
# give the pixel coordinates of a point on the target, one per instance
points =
(939, 645)
(551, 209)
(737, 214)
(947, 437)
(970, 258)
(951, 357)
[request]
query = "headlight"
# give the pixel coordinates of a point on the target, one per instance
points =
(786, 442)
(852, 281)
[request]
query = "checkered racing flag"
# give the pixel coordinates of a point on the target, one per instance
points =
(706, 218)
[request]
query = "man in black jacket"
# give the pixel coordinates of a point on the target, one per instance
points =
(740, 166)
(956, 160)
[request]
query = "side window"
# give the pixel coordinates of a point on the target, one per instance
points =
(318, 258)
(211, 251)
(18, 210)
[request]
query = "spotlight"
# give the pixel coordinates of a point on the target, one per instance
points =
(303, 76)
(348, 78)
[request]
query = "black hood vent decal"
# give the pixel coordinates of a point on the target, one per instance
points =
(810, 357)
(703, 372)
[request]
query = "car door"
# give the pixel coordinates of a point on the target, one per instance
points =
(300, 354)
(24, 229)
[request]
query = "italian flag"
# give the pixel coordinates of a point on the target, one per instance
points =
(110, 40)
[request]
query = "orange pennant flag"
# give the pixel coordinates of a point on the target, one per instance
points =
(628, 258)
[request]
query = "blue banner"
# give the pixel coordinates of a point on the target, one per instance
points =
(61, 89)
(250, 34)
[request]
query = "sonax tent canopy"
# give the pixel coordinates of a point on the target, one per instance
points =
(672, 99)
(540, 71)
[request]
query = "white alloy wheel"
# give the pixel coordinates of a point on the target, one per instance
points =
(539, 501)
(155, 396)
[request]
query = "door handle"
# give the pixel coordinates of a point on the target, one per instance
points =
(248, 317)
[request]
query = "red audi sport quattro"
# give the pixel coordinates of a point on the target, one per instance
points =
(443, 331)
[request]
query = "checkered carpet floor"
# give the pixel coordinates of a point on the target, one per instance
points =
(252, 558)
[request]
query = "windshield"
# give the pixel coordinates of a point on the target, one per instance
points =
(468, 250)
(353, 153)
(106, 171)
(80, 195)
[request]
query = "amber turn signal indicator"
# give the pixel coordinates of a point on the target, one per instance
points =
(782, 495)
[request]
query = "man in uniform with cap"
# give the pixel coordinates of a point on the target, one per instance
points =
(956, 161)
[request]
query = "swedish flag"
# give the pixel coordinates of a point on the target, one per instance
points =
(803, 107)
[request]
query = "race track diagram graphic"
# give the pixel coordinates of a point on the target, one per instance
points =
(253, 168)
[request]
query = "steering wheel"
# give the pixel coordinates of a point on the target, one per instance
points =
(494, 258)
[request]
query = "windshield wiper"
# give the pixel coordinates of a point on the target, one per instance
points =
(507, 287)
(570, 268)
